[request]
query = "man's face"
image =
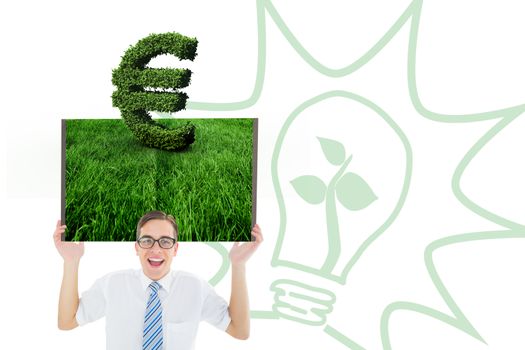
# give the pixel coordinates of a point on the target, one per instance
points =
(156, 261)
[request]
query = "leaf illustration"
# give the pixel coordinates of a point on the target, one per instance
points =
(311, 188)
(334, 151)
(353, 192)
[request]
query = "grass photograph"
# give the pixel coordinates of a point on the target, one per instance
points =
(111, 180)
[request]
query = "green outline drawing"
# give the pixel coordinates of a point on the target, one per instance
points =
(259, 76)
(507, 115)
(516, 230)
(319, 307)
(458, 320)
(266, 7)
(412, 86)
(223, 270)
(326, 270)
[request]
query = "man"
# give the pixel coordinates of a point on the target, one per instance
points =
(154, 308)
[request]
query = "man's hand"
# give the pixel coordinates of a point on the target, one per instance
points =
(68, 302)
(70, 251)
(240, 253)
(239, 306)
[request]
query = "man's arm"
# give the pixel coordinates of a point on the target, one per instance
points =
(239, 305)
(68, 302)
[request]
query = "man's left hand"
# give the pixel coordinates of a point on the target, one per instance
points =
(240, 253)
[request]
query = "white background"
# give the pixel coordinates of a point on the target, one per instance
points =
(56, 63)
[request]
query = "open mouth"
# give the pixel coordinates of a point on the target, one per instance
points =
(155, 262)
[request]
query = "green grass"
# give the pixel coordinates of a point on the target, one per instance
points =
(112, 180)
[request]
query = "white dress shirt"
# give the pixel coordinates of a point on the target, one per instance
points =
(121, 297)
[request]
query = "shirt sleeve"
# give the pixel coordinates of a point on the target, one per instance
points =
(214, 308)
(92, 305)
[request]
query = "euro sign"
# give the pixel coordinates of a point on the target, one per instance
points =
(141, 89)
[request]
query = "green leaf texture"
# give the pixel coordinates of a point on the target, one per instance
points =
(353, 192)
(334, 151)
(311, 188)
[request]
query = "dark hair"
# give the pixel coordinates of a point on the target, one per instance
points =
(157, 215)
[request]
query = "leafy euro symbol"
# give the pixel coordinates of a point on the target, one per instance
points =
(141, 89)
(352, 191)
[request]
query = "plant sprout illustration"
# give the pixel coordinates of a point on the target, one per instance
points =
(352, 191)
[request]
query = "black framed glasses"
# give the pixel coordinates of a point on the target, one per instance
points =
(147, 242)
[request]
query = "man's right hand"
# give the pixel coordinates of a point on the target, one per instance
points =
(70, 251)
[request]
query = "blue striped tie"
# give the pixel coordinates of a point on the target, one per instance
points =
(152, 336)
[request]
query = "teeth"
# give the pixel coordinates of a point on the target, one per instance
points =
(156, 260)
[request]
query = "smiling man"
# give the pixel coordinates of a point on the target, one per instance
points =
(154, 308)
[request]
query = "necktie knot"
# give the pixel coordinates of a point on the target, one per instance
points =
(154, 286)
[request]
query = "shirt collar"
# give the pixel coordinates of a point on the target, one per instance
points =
(165, 281)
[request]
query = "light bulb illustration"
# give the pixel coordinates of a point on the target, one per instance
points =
(340, 181)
